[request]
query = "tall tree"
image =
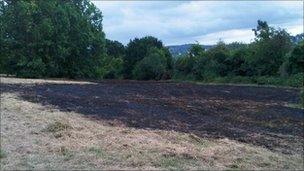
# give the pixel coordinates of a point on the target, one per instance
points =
(269, 49)
(295, 60)
(152, 66)
(115, 49)
(137, 49)
(53, 38)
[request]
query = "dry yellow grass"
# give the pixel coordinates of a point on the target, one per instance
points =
(78, 142)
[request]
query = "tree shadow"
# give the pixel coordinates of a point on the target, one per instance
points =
(254, 115)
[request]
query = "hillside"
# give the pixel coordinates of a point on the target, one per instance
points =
(177, 50)
(297, 38)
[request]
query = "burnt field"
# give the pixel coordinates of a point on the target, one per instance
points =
(261, 116)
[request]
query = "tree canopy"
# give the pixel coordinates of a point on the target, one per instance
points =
(115, 48)
(52, 38)
(137, 49)
(271, 54)
(62, 38)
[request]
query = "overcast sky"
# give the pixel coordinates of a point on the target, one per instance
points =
(181, 22)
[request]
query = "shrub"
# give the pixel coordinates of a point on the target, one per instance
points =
(296, 80)
(266, 80)
(153, 66)
(57, 127)
(138, 49)
(34, 68)
(294, 60)
(184, 65)
(111, 68)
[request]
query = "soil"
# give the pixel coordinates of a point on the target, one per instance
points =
(260, 116)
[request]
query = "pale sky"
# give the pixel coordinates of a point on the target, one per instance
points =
(182, 22)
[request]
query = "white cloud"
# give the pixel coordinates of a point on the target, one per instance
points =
(228, 36)
(179, 22)
(297, 29)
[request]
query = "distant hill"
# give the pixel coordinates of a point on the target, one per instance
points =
(177, 50)
(297, 38)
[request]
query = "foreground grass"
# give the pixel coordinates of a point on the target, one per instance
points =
(34, 136)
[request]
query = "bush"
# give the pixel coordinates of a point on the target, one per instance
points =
(57, 126)
(111, 68)
(296, 80)
(240, 79)
(184, 65)
(292, 81)
(212, 63)
(34, 68)
(152, 66)
(294, 60)
(266, 80)
(182, 76)
(138, 49)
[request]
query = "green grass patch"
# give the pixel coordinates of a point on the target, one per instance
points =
(57, 127)
(170, 163)
(68, 155)
(200, 142)
(296, 106)
(174, 161)
(99, 152)
(2, 154)
(296, 80)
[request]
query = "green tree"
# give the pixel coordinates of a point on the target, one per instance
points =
(196, 50)
(269, 49)
(111, 68)
(153, 66)
(112, 64)
(115, 49)
(185, 65)
(294, 63)
(263, 31)
(53, 38)
(3, 54)
(236, 62)
(137, 49)
(218, 56)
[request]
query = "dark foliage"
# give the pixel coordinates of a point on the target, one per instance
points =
(115, 49)
(65, 39)
(138, 49)
(270, 55)
(52, 38)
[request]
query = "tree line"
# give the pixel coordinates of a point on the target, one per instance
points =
(65, 38)
(271, 54)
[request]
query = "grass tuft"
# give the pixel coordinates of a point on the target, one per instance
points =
(66, 153)
(97, 151)
(57, 127)
(2, 154)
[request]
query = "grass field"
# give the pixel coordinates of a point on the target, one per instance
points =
(61, 124)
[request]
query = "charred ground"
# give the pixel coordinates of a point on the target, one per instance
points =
(256, 115)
